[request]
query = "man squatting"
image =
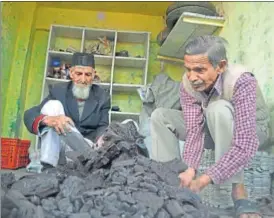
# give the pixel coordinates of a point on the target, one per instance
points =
(222, 107)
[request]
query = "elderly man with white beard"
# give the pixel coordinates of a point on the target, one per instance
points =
(74, 115)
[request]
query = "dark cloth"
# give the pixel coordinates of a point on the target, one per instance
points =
(95, 117)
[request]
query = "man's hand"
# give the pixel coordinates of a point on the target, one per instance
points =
(198, 184)
(100, 142)
(59, 123)
(186, 177)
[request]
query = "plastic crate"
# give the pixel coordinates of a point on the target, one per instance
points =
(14, 153)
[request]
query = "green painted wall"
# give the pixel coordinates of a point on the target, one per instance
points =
(17, 41)
(35, 75)
(10, 23)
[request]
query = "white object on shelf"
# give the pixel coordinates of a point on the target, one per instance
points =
(188, 26)
(54, 80)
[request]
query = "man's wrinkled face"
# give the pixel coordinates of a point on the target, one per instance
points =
(200, 72)
(82, 75)
(82, 78)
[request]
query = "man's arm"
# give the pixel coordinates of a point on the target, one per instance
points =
(245, 141)
(33, 116)
(194, 123)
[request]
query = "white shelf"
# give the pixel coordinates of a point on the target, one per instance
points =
(119, 116)
(130, 62)
(188, 26)
(125, 87)
(104, 85)
(53, 81)
(67, 57)
(116, 87)
(60, 53)
(103, 60)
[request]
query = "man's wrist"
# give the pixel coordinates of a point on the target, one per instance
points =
(191, 171)
(44, 120)
(205, 179)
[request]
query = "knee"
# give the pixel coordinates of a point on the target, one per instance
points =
(53, 108)
(158, 115)
(220, 108)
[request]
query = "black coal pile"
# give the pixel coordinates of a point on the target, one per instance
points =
(116, 180)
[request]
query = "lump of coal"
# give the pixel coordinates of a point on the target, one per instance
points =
(65, 205)
(80, 215)
(174, 208)
(148, 198)
(72, 186)
(42, 185)
(267, 205)
(35, 200)
(49, 204)
(7, 179)
(18, 205)
(163, 214)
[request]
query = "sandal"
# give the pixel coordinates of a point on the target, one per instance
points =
(244, 206)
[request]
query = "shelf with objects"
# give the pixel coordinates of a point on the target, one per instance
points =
(130, 73)
(64, 41)
(121, 62)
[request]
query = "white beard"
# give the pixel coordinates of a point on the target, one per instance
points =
(81, 92)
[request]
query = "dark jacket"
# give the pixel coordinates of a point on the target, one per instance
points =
(95, 117)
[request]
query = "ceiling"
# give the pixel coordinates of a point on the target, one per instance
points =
(147, 8)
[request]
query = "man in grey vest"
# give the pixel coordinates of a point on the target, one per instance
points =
(222, 107)
(74, 114)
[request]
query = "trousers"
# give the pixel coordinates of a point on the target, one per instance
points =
(167, 128)
(54, 146)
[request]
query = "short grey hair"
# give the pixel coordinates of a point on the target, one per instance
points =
(212, 46)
